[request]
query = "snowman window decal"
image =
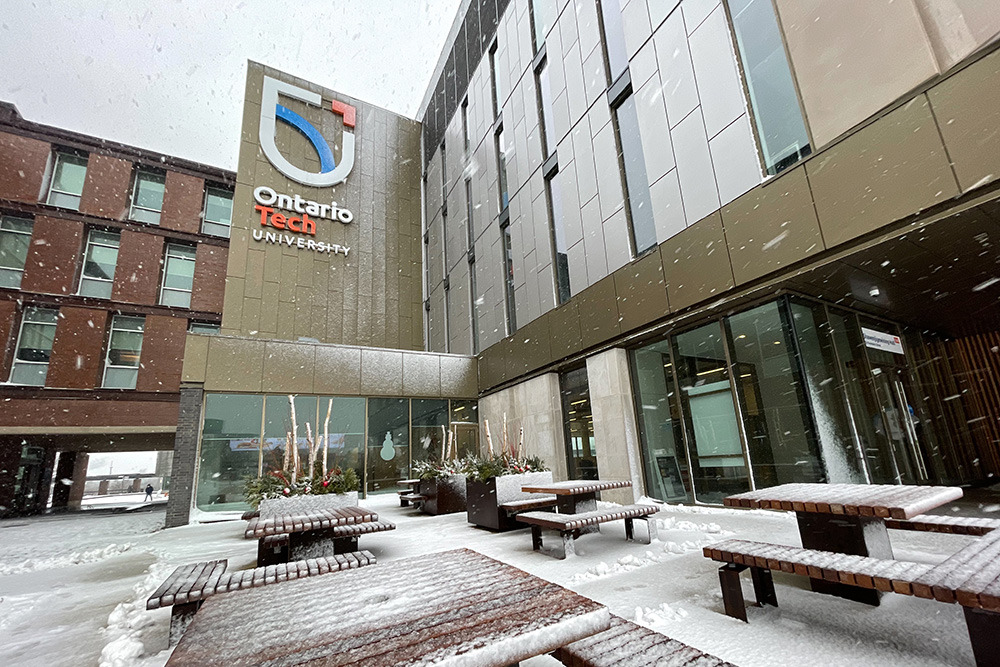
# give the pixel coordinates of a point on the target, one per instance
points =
(388, 451)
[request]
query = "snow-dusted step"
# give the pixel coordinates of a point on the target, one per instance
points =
(879, 500)
(528, 504)
(954, 525)
(340, 516)
(626, 644)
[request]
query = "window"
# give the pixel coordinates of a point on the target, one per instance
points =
(67, 181)
(124, 348)
(178, 276)
(503, 155)
(638, 206)
(545, 108)
(99, 264)
(776, 112)
(578, 421)
(218, 212)
(205, 328)
(561, 256)
(444, 182)
(613, 31)
(465, 123)
(15, 237)
(471, 249)
(147, 197)
(508, 266)
(34, 346)
(495, 87)
(543, 17)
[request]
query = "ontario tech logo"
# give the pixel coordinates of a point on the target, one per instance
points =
(330, 173)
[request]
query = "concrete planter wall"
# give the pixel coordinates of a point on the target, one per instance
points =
(484, 498)
(445, 495)
(306, 504)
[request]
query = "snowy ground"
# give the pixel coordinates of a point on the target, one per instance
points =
(73, 588)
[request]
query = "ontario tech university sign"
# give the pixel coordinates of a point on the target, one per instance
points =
(294, 228)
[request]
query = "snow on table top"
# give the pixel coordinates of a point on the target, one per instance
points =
(884, 500)
(454, 608)
(259, 527)
(575, 487)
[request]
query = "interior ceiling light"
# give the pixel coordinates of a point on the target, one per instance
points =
(874, 292)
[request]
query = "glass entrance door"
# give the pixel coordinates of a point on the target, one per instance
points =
(898, 423)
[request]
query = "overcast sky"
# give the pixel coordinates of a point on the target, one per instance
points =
(168, 75)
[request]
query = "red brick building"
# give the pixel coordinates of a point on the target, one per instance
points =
(109, 255)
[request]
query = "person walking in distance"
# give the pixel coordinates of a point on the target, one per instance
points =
(149, 493)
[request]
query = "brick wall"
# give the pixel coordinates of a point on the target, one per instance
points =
(8, 321)
(183, 198)
(22, 167)
(51, 265)
(137, 275)
(77, 351)
(35, 412)
(185, 456)
(162, 353)
(209, 278)
(107, 187)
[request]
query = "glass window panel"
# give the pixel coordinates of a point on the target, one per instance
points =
(614, 37)
(143, 215)
(430, 429)
(344, 433)
(178, 276)
(15, 238)
(124, 352)
(640, 207)
(465, 425)
(216, 229)
(277, 430)
(120, 378)
(543, 17)
(95, 288)
(206, 328)
(842, 456)
(783, 447)
(559, 239)
(495, 85)
(100, 262)
(218, 212)
(148, 191)
(548, 113)
(230, 450)
(388, 443)
(38, 332)
(29, 374)
(503, 155)
(578, 420)
(69, 174)
(508, 258)
(175, 299)
(715, 449)
(660, 428)
(776, 111)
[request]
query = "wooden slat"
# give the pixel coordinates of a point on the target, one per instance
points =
(156, 599)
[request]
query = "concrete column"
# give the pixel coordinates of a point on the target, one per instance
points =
(75, 500)
(10, 459)
(615, 429)
(533, 405)
(64, 471)
(185, 461)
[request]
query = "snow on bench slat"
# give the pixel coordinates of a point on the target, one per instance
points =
(575, 487)
(456, 607)
(955, 569)
(573, 521)
(530, 502)
(955, 525)
(855, 499)
(171, 583)
(626, 644)
(257, 528)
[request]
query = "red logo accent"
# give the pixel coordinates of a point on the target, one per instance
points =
(345, 110)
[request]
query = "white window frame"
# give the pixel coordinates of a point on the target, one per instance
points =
(20, 333)
(171, 252)
(133, 207)
(107, 355)
(60, 156)
(204, 218)
(4, 230)
(86, 253)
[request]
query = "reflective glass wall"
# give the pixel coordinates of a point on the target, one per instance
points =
(245, 435)
(792, 390)
(578, 421)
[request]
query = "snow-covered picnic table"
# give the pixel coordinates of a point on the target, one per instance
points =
(451, 608)
(847, 518)
(286, 537)
(575, 496)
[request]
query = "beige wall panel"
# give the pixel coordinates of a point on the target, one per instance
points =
(956, 28)
(696, 263)
(888, 170)
(338, 370)
(772, 226)
(459, 376)
(421, 375)
(381, 373)
(615, 428)
(967, 109)
(234, 365)
(853, 57)
(288, 368)
(195, 358)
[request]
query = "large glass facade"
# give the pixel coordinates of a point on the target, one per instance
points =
(787, 391)
(246, 435)
(578, 422)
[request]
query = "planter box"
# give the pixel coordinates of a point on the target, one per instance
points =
(484, 498)
(296, 505)
(445, 495)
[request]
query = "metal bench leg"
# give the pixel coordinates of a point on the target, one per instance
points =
(568, 546)
(536, 538)
(180, 618)
(763, 586)
(984, 632)
(403, 502)
(732, 591)
(629, 530)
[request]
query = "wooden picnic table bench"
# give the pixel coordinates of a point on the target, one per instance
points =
(970, 577)
(326, 532)
(626, 644)
(953, 525)
(411, 494)
(515, 507)
(190, 585)
(297, 523)
(281, 548)
(571, 525)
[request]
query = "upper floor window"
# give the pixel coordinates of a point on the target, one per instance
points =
(205, 328)
(494, 84)
(614, 38)
(34, 346)
(543, 17)
(15, 237)
(508, 270)
(545, 108)
(503, 155)
(465, 123)
(775, 103)
(218, 212)
(147, 197)
(178, 276)
(99, 263)
(560, 253)
(66, 188)
(638, 205)
(121, 367)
